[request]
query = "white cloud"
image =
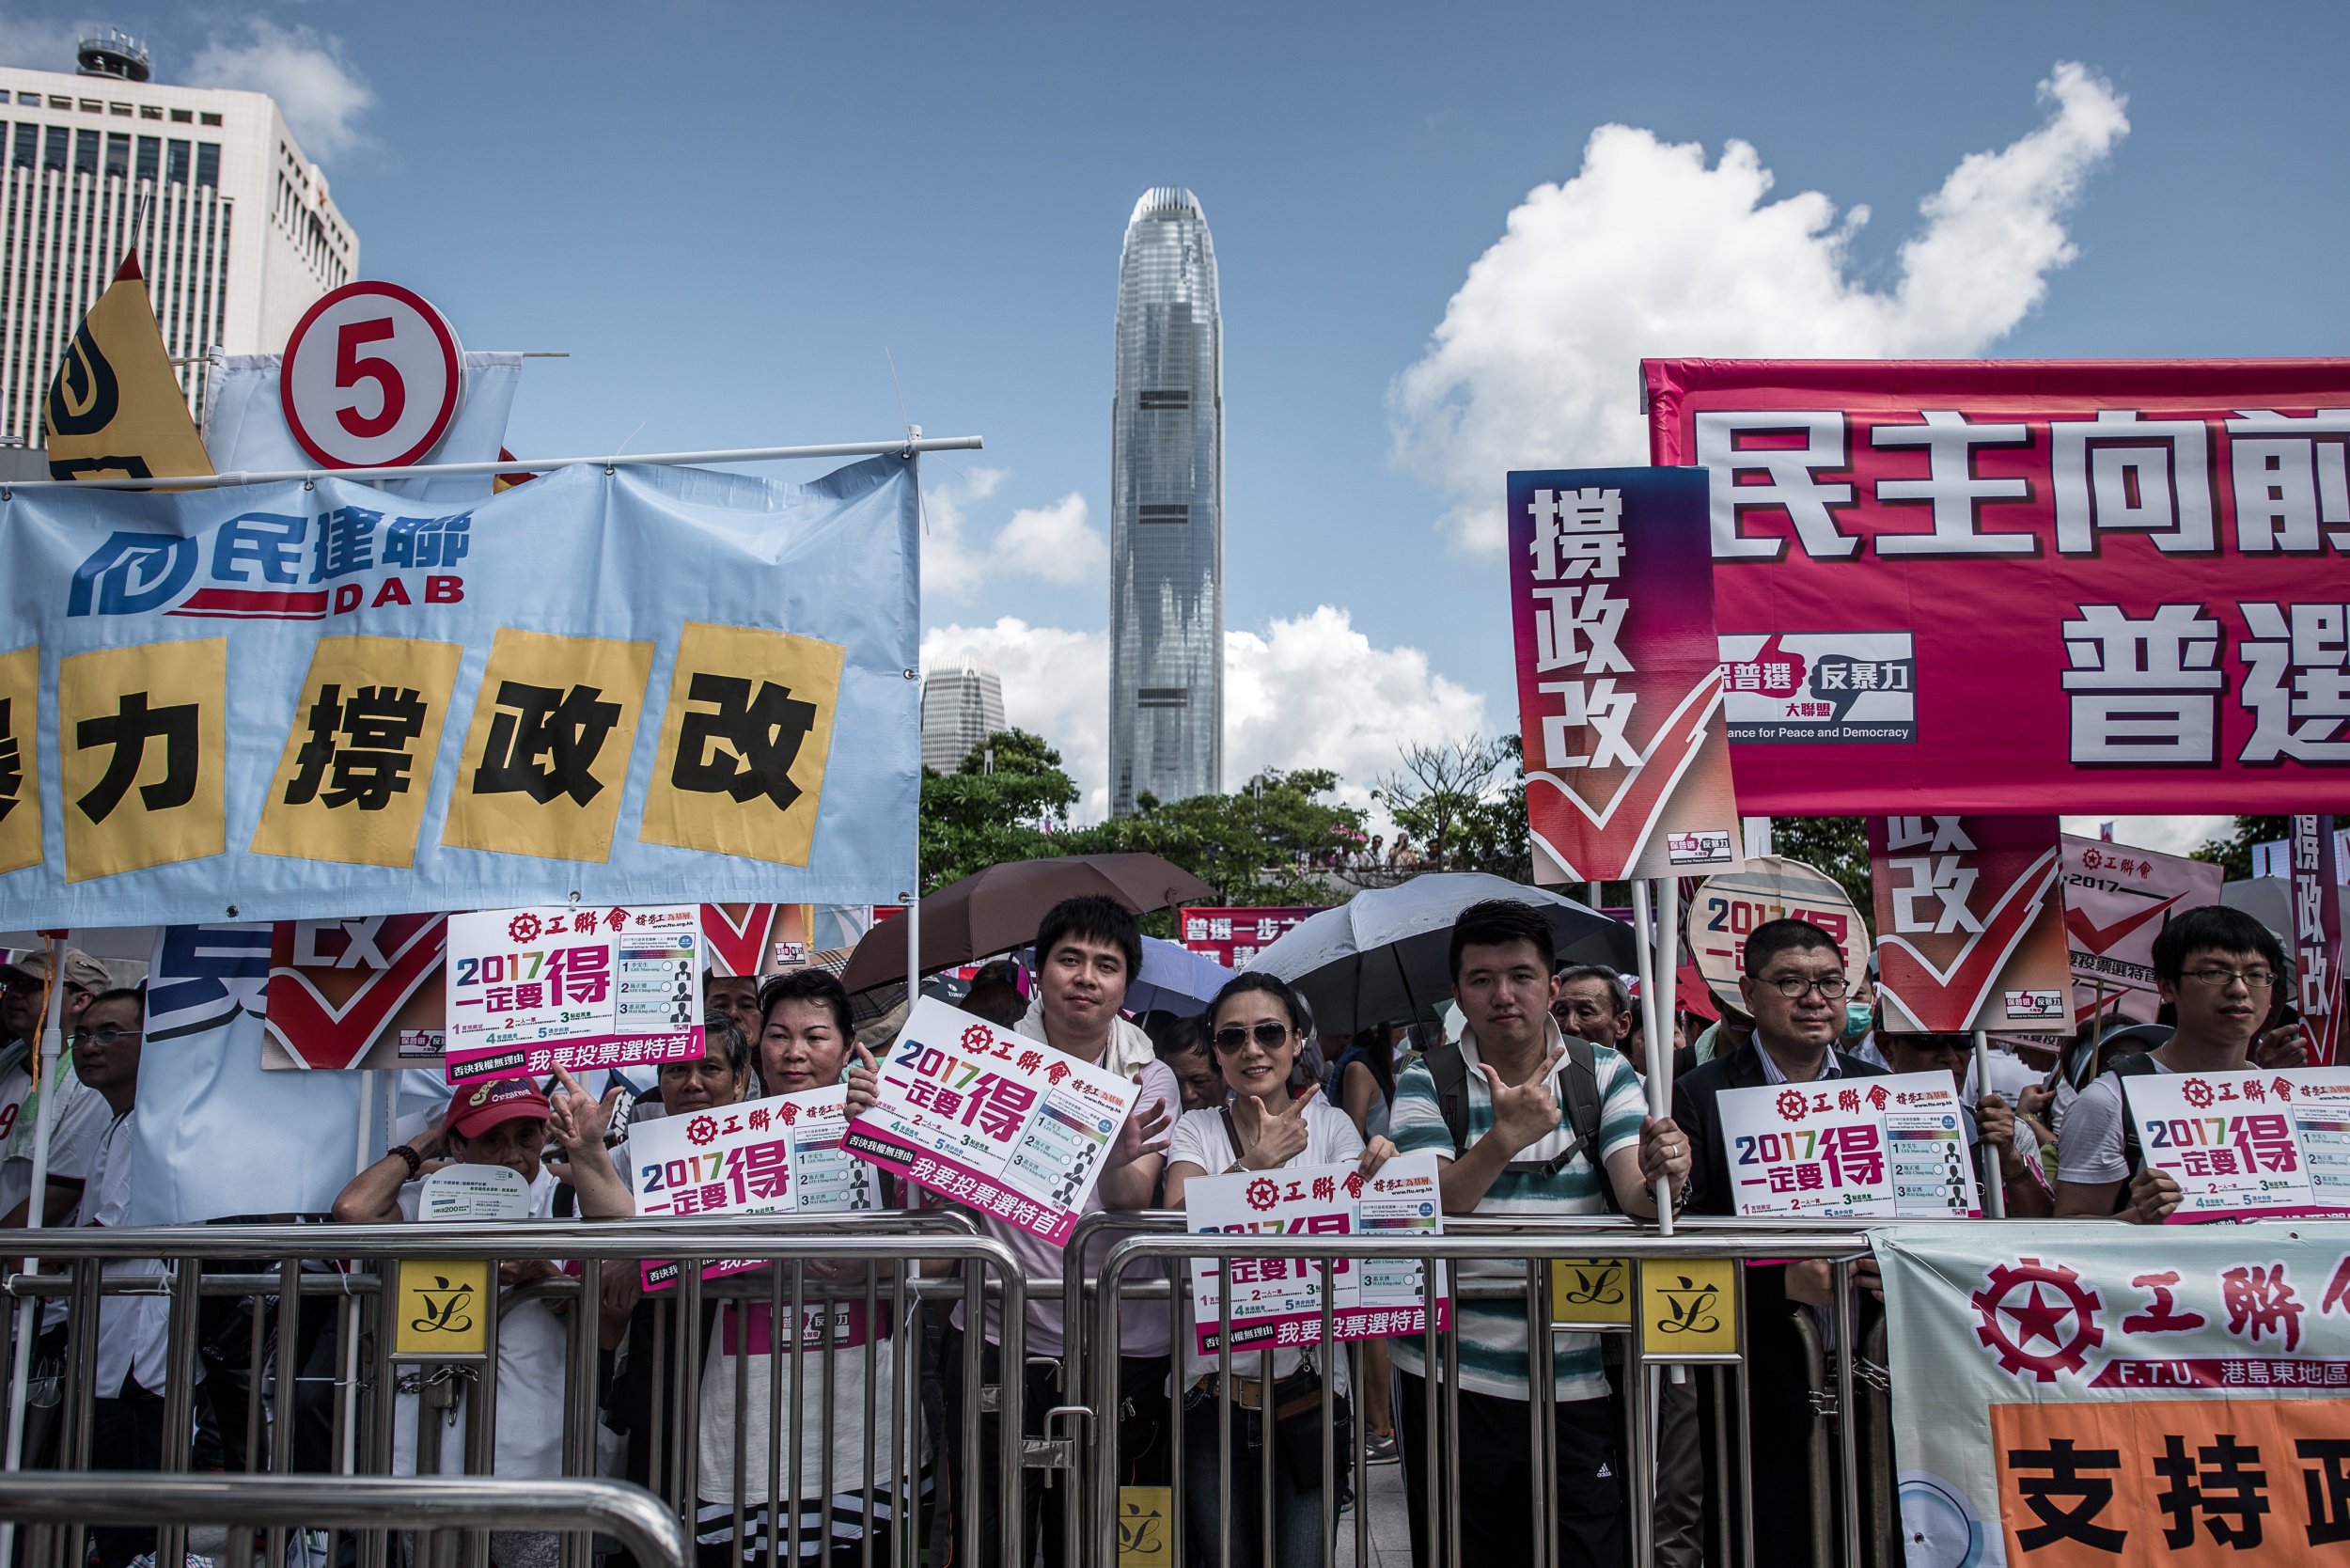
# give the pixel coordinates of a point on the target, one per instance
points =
(38, 45)
(1311, 691)
(2163, 835)
(320, 93)
(1648, 252)
(1058, 543)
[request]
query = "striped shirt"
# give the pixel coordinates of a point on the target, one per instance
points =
(1493, 1332)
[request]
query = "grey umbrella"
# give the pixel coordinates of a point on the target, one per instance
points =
(1385, 955)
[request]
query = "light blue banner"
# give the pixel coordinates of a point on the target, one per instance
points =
(295, 702)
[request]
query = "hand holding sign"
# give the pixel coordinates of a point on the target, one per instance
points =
(1269, 1139)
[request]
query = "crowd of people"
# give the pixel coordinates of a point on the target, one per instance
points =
(1532, 1102)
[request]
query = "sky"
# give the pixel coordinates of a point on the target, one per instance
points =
(1446, 236)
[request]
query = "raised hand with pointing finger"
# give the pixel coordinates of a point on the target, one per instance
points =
(1271, 1138)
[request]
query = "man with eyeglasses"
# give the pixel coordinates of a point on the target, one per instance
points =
(79, 1118)
(1794, 987)
(2217, 970)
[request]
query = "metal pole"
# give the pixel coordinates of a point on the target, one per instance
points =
(1994, 1190)
(27, 1311)
(536, 465)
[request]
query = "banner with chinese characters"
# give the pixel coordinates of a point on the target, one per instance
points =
(2025, 586)
(780, 1155)
(2247, 1143)
(1277, 1301)
(1970, 923)
(1620, 683)
(1728, 906)
(532, 990)
(2317, 935)
(999, 1122)
(285, 702)
(2117, 900)
(2068, 1394)
(363, 993)
(1234, 936)
(1891, 1146)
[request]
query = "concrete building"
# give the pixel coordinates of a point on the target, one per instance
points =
(233, 225)
(1167, 508)
(963, 704)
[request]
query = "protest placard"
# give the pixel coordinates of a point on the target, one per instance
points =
(473, 1192)
(532, 990)
(1888, 1147)
(2117, 900)
(1277, 1301)
(1970, 924)
(2242, 1144)
(780, 1155)
(1728, 906)
(992, 1120)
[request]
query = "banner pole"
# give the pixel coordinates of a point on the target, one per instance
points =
(36, 1207)
(913, 948)
(366, 1114)
(1994, 1190)
(1660, 1048)
(1641, 932)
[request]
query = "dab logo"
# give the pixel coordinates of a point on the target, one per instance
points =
(2037, 1317)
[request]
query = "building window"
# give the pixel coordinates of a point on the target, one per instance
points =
(151, 111)
(150, 157)
(32, 98)
(1162, 696)
(175, 166)
(209, 120)
(56, 148)
(57, 102)
(28, 146)
(1166, 398)
(207, 163)
(122, 109)
(119, 156)
(183, 117)
(86, 152)
(1152, 513)
(91, 106)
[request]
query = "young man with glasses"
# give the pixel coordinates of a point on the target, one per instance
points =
(2218, 968)
(1794, 988)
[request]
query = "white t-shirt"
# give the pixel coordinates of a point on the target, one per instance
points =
(1200, 1140)
(530, 1382)
(2089, 1151)
(75, 1129)
(133, 1330)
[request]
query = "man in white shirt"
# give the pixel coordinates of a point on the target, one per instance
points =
(79, 1118)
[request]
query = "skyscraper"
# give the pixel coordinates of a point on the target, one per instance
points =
(963, 704)
(1167, 508)
(233, 226)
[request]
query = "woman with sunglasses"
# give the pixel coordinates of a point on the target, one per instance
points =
(1257, 1029)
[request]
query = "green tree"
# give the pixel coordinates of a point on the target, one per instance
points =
(1462, 802)
(1836, 845)
(2234, 852)
(1009, 800)
(1264, 843)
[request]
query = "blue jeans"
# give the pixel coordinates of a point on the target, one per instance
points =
(1296, 1514)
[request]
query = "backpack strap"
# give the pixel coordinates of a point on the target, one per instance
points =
(1448, 1069)
(2138, 1064)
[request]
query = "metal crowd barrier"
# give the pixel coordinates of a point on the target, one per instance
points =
(641, 1524)
(1077, 1452)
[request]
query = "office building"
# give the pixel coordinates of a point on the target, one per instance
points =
(963, 704)
(232, 223)
(1166, 510)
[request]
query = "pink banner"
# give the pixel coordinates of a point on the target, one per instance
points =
(1970, 923)
(2025, 586)
(1620, 683)
(1234, 935)
(2317, 935)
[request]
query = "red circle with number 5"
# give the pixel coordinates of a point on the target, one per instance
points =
(371, 378)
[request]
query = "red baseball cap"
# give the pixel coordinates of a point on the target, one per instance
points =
(476, 1110)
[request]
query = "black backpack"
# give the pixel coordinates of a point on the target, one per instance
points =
(1448, 1069)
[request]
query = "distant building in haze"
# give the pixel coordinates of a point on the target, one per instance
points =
(1167, 508)
(233, 225)
(963, 704)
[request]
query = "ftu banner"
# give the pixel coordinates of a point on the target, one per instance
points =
(288, 702)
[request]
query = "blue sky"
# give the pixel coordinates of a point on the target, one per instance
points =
(726, 212)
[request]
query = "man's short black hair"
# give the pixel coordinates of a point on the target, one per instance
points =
(1773, 937)
(2214, 928)
(1182, 1037)
(808, 985)
(723, 1036)
(1619, 993)
(1092, 917)
(134, 995)
(1498, 921)
(711, 976)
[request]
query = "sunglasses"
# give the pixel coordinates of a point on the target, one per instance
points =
(1267, 1034)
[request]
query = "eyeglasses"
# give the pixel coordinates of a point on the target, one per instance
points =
(2219, 979)
(1267, 1034)
(1794, 987)
(106, 1036)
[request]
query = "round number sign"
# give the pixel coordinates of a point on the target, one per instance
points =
(373, 378)
(1730, 905)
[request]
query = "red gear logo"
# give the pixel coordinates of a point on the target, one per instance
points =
(523, 928)
(2196, 1092)
(978, 1037)
(702, 1130)
(1792, 1104)
(2037, 1318)
(1264, 1194)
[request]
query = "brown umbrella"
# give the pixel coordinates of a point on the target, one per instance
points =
(998, 909)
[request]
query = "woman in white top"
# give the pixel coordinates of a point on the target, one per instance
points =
(1257, 1030)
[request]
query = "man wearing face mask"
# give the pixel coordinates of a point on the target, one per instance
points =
(1860, 1021)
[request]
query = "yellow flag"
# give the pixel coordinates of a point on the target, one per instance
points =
(116, 408)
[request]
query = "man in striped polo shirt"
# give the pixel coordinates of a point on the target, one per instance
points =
(1517, 1152)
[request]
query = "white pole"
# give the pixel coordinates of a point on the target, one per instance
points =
(516, 466)
(1660, 1047)
(367, 1113)
(1994, 1190)
(36, 1205)
(1641, 932)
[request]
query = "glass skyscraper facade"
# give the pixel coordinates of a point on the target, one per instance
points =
(1167, 508)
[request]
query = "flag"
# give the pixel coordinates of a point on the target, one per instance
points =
(115, 409)
(501, 483)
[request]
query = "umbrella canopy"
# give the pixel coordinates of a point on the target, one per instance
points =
(1174, 978)
(998, 909)
(1385, 955)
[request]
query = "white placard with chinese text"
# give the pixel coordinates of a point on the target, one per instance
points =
(473, 1192)
(780, 1155)
(996, 1122)
(2241, 1144)
(1886, 1147)
(531, 990)
(1277, 1301)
